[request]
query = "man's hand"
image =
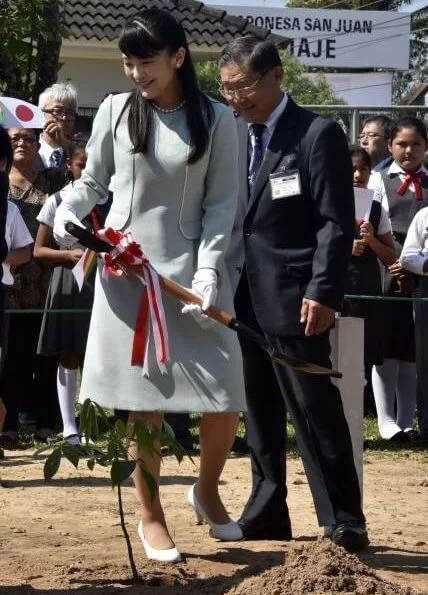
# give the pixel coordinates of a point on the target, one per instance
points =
(317, 317)
(55, 133)
(358, 247)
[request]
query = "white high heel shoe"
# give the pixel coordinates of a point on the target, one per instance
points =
(171, 555)
(230, 531)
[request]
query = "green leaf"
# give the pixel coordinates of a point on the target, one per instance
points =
(83, 423)
(90, 464)
(150, 480)
(121, 470)
(71, 453)
(168, 430)
(120, 428)
(52, 463)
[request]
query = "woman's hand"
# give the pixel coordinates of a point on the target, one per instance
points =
(358, 248)
(404, 278)
(397, 270)
(75, 255)
(366, 232)
(63, 215)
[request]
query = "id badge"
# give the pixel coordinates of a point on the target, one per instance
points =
(285, 184)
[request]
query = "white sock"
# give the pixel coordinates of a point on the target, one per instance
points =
(406, 394)
(384, 381)
(66, 386)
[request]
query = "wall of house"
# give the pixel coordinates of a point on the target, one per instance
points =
(94, 78)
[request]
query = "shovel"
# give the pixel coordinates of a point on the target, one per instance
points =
(96, 244)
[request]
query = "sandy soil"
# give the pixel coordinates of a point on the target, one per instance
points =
(65, 535)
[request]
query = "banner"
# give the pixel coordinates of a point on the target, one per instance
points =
(334, 38)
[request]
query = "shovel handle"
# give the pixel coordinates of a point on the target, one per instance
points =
(189, 297)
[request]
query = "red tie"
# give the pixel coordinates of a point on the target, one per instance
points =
(416, 178)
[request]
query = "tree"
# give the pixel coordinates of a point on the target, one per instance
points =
(302, 89)
(31, 42)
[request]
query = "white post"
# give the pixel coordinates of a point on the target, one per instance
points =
(347, 356)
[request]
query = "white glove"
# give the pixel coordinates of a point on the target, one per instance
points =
(204, 285)
(63, 215)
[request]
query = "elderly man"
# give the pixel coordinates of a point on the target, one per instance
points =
(288, 257)
(374, 138)
(59, 105)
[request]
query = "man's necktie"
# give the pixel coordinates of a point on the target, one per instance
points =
(417, 179)
(56, 159)
(256, 134)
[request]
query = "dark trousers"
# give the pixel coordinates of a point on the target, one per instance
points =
(421, 338)
(28, 380)
(322, 434)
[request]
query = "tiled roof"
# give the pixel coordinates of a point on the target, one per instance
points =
(104, 19)
(416, 91)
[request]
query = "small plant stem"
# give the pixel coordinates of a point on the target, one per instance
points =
(135, 575)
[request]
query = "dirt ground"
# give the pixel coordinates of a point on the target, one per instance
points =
(65, 535)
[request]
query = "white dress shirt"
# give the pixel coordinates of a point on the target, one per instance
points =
(45, 152)
(16, 236)
(376, 183)
(272, 121)
(415, 249)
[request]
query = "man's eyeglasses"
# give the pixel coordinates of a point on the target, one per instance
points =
(27, 140)
(60, 113)
(241, 92)
(364, 135)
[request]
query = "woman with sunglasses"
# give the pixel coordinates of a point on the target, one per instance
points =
(174, 155)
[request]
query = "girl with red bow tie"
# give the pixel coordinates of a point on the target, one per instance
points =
(402, 189)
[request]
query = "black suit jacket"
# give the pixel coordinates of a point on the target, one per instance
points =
(300, 245)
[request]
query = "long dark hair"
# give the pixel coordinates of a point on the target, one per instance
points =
(6, 151)
(357, 150)
(147, 34)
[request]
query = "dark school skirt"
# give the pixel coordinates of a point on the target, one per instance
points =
(68, 332)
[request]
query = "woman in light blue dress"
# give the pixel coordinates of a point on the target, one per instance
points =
(173, 152)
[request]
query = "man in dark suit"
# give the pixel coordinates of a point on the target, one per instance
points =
(289, 253)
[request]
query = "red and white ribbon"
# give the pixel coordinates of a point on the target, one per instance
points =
(150, 311)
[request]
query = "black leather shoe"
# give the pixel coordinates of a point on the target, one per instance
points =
(400, 438)
(258, 531)
(351, 535)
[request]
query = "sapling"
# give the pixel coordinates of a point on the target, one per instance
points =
(107, 442)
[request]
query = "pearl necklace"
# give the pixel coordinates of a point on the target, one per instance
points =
(168, 111)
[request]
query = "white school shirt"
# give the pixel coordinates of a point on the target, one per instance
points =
(16, 236)
(384, 222)
(376, 183)
(415, 249)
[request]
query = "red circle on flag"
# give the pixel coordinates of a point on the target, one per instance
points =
(24, 113)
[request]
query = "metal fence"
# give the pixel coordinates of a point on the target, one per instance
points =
(352, 116)
(349, 116)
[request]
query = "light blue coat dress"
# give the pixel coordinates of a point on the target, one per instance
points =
(182, 216)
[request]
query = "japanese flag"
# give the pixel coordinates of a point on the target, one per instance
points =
(15, 113)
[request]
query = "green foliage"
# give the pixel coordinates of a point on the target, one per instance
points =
(29, 50)
(304, 90)
(208, 77)
(301, 88)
